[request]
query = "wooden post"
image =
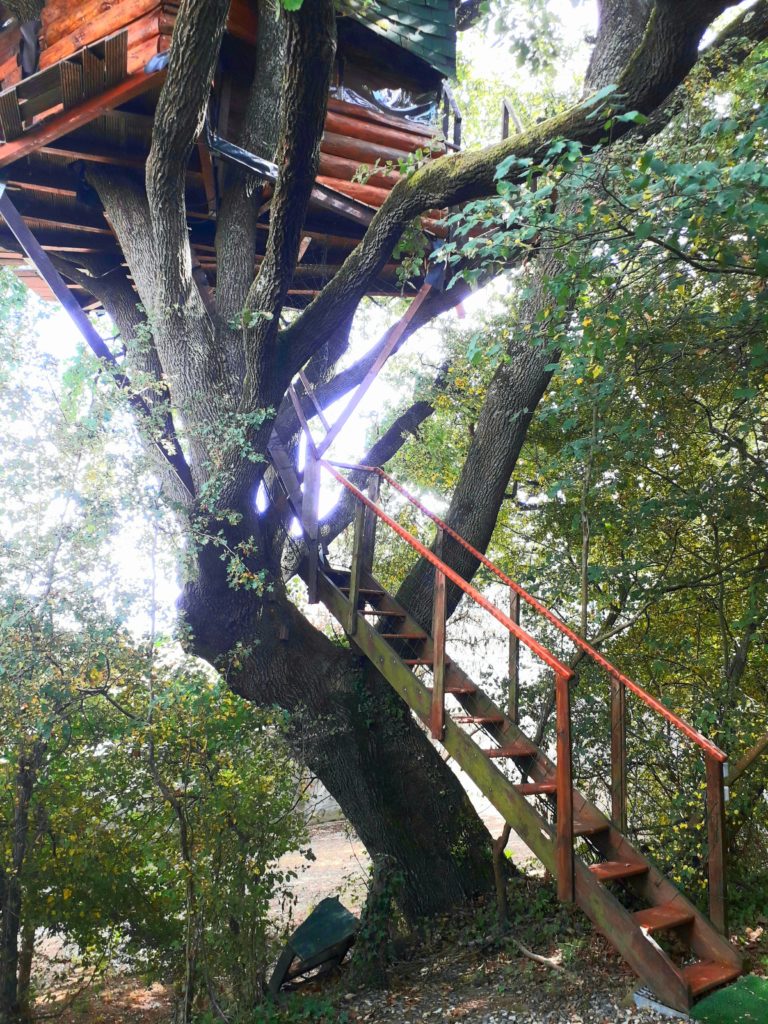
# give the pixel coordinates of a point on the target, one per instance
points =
(513, 706)
(618, 755)
(356, 569)
(718, 901)
(362, 551)
(437, 720)
(564, 836)
(369, 531)
(310, 511)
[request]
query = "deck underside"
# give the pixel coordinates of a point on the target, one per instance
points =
(93, 103)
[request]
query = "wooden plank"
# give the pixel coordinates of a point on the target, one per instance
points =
(93, 74)
(115, 59)
(68, 27)
(613, 870)
(243, 22)
(354, 576)
(71, 83)
(618, 755)
(366, 131)
(10, 116)
(168, 445)
(369, 530)
(68, 121)
(10, 72)
(59, 184)
(421, 131)
(342, 168)
(393, 336)
(706, 975)
(359, 151)
(513, 696)
(439, 616)
(309, 390)
(310, 502)
(564, 841)
(662, 918)
(716, 855)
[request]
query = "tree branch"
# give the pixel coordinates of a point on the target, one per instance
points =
(336, 387)
(667, 52)
(178, 121)
(309, 54)
(468, 13)
(242, 193)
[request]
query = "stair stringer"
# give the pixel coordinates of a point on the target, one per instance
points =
(702, 937)
(647, 959)
(655, 887)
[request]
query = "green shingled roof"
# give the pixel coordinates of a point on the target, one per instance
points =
(426, 28)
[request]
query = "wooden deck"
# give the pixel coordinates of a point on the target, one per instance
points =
(93, 102)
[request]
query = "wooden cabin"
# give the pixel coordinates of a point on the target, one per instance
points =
(85, 88)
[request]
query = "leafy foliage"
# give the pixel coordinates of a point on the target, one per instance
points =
(142, 804)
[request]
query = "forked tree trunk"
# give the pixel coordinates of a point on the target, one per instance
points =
(355, 734)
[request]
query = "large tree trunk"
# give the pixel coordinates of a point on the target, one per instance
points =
(11, 886)
(354, 733)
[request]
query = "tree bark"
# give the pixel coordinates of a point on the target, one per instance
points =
(354, 733)
(11, 883)
(26, 959)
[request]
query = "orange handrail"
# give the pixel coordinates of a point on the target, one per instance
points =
(688, 730)
(533, 645)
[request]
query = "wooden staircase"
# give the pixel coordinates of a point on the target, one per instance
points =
(587, 851)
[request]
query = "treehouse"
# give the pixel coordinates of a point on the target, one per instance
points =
(80, 86)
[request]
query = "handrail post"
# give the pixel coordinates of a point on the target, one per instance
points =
(369, 532)
(437, 718)
(513, 700)
(618, 755)
(718, 900)
(566, 889)
(310, 517)
(362, 551)
(355, 569)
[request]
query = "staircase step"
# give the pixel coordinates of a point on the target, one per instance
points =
(381, 611)
(423, 661)
(480, 719)
(666, 915)
(611, 870)
(461, 689)
(404, 636)
(589, 828)
(518, 748)
(364, 591)
(536, 788)
(708, 974)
